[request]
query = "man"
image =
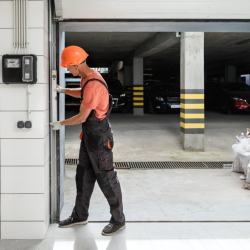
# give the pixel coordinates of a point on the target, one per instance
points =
(96, 156)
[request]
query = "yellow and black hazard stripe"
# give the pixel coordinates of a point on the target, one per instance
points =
(192, 120)
(128, 92)
(138, 96)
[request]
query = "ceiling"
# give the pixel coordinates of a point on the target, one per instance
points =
(105, 48)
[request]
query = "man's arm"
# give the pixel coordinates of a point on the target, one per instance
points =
(77, 119)
(73, 92)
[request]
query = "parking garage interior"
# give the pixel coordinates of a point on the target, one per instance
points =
(177, 192)
(106, 49)
(156, 137)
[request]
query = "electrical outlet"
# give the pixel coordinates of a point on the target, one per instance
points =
(28, 124)
(20, 124)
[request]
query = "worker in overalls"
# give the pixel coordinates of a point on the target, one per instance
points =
(96, 156)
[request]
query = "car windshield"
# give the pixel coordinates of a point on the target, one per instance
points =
(114, 84)
(235, 87)
(165, 87)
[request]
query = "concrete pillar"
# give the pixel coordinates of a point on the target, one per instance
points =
(120, 76)
(127, 83)
(247, 79)
(113, 72)
(127, 75)
(230, 73)
(138, 99)
(192, 91)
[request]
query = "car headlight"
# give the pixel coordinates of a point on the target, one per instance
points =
(237, 99)
(159, 99)
(122, 95)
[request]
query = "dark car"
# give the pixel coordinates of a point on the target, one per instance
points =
(227, 97)
(115, 89)
(118, 94)
(161, 97)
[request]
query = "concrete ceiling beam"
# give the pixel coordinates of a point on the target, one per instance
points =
(154, 45)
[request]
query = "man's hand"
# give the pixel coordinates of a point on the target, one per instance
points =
(59, 89)
(56, 125)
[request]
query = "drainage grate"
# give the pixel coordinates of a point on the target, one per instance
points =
(172, 165)
(164, 165)
(71, 161)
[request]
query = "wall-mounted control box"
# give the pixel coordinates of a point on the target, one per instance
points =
(19, 69)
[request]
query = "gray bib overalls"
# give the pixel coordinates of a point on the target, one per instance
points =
(96, 163)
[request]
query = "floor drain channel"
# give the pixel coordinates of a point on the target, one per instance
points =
(164, 165)
(71, 161)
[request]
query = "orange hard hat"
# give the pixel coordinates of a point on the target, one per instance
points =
(72, 55)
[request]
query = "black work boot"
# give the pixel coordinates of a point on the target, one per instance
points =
(71, 222)
(112, 229)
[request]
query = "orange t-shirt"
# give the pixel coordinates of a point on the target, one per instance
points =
(95, 95)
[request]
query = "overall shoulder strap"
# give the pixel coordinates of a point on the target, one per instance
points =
(93, 79)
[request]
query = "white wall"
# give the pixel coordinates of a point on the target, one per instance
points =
(156, 9)
(24, 153)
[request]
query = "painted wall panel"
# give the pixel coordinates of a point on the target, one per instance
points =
(9, 130)
(36, 41)
(14, 97)
(42, 69)
(23, 230)
(6, 43)
(23, 207)
(24, 152)
(35, 17)
(46, 3)
(6, 14)
(47, 205)
(45, 18)
(1, 79)
(45, 44)
(23, 180)
(159, 9)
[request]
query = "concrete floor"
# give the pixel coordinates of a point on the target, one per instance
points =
(170, 195)
(157, 137)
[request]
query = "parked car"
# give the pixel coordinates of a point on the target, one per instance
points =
(161, 97)
(115, 89)
(118, 94)
(228, 97)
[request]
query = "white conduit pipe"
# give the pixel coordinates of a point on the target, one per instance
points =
(20, 31)
(28, 93)
(19, 25)
(14, 28)
(16, 25)
(26, 26)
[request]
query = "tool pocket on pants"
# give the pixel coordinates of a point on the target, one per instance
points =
(109, 144)
(95, 142)
(105, 161)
